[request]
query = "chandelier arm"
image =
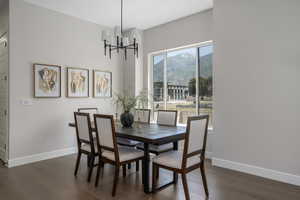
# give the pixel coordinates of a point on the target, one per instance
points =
(110, 51)
(118, 44)
(105, 47)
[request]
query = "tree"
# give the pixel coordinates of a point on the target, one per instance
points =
(205, 87)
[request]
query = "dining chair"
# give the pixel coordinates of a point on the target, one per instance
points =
(91, 111)
(140, 116)
(85, 142)
(192, 157)
(164, 118)
(110, 152)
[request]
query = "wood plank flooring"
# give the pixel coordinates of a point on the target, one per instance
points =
(54, 180)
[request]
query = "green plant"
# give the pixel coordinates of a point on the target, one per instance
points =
(129, 102)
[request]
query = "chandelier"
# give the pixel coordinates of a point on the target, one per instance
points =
(119, 41)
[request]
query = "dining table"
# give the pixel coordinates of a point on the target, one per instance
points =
(148, 134)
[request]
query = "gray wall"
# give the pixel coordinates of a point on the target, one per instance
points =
(256, 73)
(41, 35)
(186, 31)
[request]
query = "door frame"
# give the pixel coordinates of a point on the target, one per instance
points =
(4, 40)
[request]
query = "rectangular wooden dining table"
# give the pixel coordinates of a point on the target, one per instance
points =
(149, 134)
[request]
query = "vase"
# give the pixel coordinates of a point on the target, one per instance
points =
(127, 119)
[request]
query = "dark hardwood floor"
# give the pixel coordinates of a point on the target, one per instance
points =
(54, 180)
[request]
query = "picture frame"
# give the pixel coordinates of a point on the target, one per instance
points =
(77, 82)
(46, 80)
(102, 84)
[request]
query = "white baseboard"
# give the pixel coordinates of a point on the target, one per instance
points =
(39, 157)
(258, 171)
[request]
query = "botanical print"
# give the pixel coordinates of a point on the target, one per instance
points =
(47, 79)
(78, 82)
(102, 84)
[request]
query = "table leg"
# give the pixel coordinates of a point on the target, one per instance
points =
(175, 145)
(146, 162)
(175, 175)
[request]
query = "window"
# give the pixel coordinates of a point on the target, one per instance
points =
(182, 81)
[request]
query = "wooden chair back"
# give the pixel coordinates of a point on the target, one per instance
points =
(106, 135)
(167, 117)
(142, 115)
(195, 138)
(91, 111)
(84, 130)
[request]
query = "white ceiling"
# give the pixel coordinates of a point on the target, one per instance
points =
(141, 14)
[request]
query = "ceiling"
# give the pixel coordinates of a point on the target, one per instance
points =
(141, 14)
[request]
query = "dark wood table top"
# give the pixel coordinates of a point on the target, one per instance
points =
(149, 133)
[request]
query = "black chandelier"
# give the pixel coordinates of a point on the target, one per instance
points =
(117, 41)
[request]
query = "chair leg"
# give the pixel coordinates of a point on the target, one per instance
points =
(88, 161)
(157, 174)
(175, 177)
(155, 169)
(101, 163)
(185, 186)
(98, 172)
(77, 163)
(92, 159)
(129, 166)
(124, 170)
(202, 170)
(116, 178)
(137, 165)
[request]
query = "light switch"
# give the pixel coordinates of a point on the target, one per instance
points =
(26, 102)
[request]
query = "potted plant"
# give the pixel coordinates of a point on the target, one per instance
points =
(128, 103)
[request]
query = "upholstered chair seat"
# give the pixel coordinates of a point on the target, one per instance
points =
(173, 159)
(125, 154)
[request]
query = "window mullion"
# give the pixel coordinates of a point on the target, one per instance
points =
(165, 81)
(197, 81)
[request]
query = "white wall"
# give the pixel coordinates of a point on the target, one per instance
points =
(256, 89)
(182, 32)
(44, 36)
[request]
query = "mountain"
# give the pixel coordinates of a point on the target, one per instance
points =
(181, 68)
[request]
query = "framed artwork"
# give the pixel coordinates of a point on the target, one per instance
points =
(102, 84)
(47, 81)
(77, 82)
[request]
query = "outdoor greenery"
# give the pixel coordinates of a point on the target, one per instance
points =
(205, 87)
